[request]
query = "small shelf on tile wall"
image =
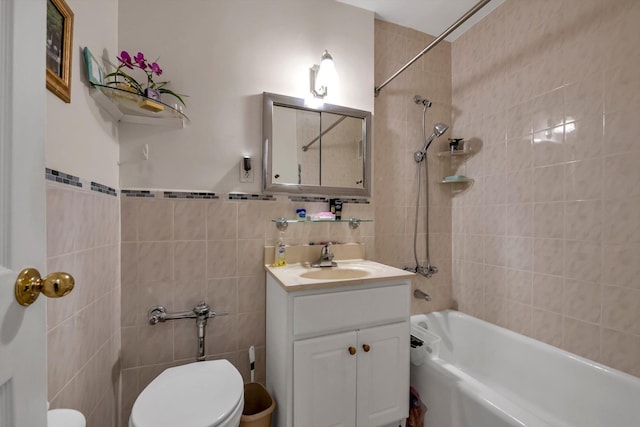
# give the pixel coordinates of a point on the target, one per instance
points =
(457, 155)
(130, 107)
(456, 179)
(283, 223)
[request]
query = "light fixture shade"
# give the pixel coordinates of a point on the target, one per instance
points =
(323, 76)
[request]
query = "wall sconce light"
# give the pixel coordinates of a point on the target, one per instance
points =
(322, 76)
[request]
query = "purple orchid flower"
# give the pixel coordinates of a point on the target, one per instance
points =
(139, 58)
(125, 58)
(156, 68)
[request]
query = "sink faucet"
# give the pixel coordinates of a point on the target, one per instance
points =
(326, 258)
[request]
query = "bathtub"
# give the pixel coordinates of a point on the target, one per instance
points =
(471, 373)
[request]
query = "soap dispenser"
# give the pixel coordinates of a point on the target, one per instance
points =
(280, 258)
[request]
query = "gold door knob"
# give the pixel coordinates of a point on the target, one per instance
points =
(366, 348)
(29, 285)
(352, 350)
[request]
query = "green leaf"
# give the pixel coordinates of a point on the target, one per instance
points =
(170, 92)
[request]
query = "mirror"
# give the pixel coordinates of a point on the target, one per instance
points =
(318, 150)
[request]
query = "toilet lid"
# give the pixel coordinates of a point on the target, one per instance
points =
(201, 394)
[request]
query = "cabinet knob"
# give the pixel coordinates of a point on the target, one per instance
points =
(352, 350)
(366, 348)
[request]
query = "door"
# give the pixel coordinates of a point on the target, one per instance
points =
(383, 374)
(23, 389)
(324, 381)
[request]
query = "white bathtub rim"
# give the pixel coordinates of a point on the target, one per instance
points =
(416, 319)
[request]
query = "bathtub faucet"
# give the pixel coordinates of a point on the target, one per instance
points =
(421, 295)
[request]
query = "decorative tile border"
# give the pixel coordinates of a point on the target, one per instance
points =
(64, 178)
(103, 189)
(316, 199)
(244, 196)
(137, 193)
(320, 199)
(354, 200)
(189, 195)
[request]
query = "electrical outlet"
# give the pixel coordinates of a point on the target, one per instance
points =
(245, 176)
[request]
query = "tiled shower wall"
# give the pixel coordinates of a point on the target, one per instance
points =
(83, 328)
(547, 240)
(177, 252)
(398, 134)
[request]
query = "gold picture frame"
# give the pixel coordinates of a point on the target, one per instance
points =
(58, 48)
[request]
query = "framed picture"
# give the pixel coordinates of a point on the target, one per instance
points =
(59, 46)
(94, 71)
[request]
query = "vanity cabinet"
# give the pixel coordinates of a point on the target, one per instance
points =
(339, 356)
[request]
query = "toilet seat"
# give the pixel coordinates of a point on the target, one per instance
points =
(200, 394)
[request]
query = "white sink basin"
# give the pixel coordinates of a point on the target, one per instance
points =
(294, 277)
(335, 273)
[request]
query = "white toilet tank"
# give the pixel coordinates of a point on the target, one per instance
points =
(200, 394)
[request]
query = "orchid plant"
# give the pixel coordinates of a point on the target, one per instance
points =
(149, 68)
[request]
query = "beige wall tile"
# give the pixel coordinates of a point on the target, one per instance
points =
(222, 220)
(155, 261)
(221, 258)
(129, 219)
(621, 350)
(189, 258)
(61, 227)
(546, 326)
(251, 329)
(582, 338)
(548, 292)
(620, 309)
(155, 219)
(85, 220)
(621, 265)
(548, 256)
(548, 220)
(583, 300)
(583, 220)
(189, 220)
(155, 344)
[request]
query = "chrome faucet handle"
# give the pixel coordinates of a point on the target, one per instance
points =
(326, 251)
(157, 314)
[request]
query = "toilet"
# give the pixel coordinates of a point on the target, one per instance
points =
(200, 394)
(65, 418)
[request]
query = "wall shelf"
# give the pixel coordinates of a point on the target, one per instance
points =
(455, 153)
(124, 106)
(454, 171)
(282, 223)
(456, 181)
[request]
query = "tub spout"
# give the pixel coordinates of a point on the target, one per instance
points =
(421, 295)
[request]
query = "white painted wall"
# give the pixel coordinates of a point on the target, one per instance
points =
(81, 139)
(224, 54)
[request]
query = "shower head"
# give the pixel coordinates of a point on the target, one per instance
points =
(419, 100)
(438, 130)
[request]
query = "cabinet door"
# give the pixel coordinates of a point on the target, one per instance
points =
(383, 374)
(324, 381)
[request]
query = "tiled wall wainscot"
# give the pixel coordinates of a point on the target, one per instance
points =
(178, 251)
(83, 328)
